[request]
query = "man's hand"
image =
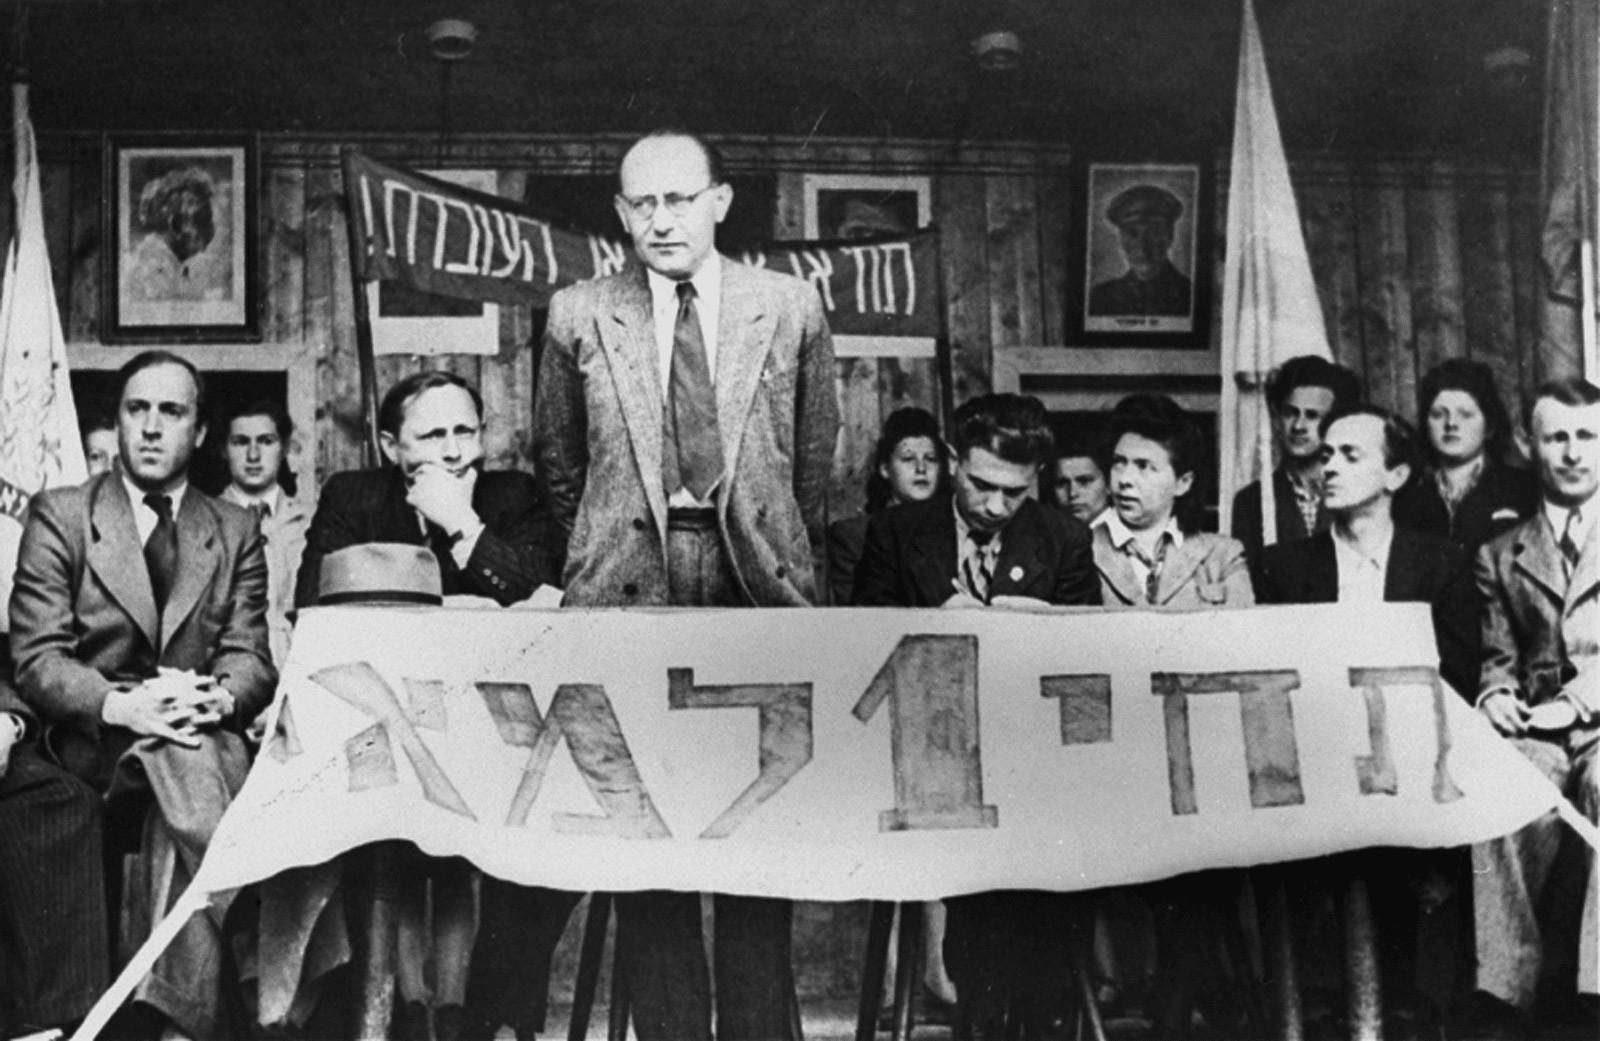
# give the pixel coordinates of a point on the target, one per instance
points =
(1020, 603)
(1508, 714)
(963, 600)
(443, 498)
(9, 729)
(202, 708)
(149, 712)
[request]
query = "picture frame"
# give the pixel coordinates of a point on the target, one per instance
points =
(859, 206)
(405, 321)
(1140, 277)
(180, 261)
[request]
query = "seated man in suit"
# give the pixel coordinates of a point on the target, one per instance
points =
(1367, 456)
(1540, 687)
(1144, 552)
(53, 958)
(1300, 395)
(485, 530)
(133, 572)
(988, 542)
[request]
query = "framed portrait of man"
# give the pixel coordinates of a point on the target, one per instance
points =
(865, 206)
(180, 239)
(1143, 275)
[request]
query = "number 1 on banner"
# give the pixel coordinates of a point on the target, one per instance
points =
(931, 683)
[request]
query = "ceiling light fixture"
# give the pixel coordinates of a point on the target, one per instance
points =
(997, 51)
(451, 39)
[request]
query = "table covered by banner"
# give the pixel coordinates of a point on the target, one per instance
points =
(848, 754)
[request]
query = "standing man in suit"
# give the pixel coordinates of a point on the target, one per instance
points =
(1300, 395)
(1540, 687)
(686, 419)
(133, 571)
(985, 543)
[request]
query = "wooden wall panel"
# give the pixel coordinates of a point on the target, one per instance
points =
(1525, 273)
(1328, 219)
(859, 420)
(1054, 232)
(1384, 272)
(1011, 212)
(1490, 303)
(80, 320)
(55, 186)
(1434, 249)
(283, 232)
(959, 201)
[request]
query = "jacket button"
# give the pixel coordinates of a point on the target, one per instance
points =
(630, 590)
(782, 571)
(639, 524)
(761, 513)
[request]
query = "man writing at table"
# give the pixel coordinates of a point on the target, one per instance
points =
(686, 421)
(990, 543)
(132, 572)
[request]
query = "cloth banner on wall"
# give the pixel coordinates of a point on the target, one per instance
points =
(852, 753)
(441, 238)
(39, 445)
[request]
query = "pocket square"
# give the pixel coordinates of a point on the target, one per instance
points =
(1504, 513)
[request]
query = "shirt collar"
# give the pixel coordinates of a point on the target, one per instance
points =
(1350, 551)
(963, 530)
(1121, 534)
(270, 499)
(136, 494)
(1556, 514)
(707, 282)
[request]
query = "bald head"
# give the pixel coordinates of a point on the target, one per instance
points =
(671, 200)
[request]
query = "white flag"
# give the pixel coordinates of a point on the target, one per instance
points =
(39, 445)
(1270, 309)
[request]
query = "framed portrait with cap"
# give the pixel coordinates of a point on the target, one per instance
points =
(1142, 278)
(180, 260)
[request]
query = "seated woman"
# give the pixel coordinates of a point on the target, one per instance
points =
(1467, 491)
(1146, 547)
(910, 464)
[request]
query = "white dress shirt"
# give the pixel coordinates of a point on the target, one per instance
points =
(144, 518)
(1557, 516)
(1361, 577)
(268, 500)
(968, 550)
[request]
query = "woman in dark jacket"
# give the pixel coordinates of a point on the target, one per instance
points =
(1468, 492)
(910, 464)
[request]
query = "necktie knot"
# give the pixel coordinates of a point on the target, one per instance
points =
(1570, 550)
(161, 504)
(685, 292)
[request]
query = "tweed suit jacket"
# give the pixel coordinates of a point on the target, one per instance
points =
(83, 616)
(1421, 567)
(1540, 632)
(360, 506)
(1207, 571)
(599, 436)
(911, 557)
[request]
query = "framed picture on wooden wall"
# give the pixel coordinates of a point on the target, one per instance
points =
(180, 258)
(1141, 277)
(863, 206)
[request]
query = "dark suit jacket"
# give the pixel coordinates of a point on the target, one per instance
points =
(846, 538)
(910, 558)
(598, 429)
(1541, 633)
(1502, 499)
(83, 616)
(361, 506)
(1169, 293)
(1421, 567)
(1291, 526)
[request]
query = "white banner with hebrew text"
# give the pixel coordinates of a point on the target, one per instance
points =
(851, 753)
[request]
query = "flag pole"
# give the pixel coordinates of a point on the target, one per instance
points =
(358, 293)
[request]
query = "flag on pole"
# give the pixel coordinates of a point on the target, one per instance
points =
(1567, 313)
(39, 445)
(1270, 309)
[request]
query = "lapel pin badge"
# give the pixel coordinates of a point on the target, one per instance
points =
(1016, 573)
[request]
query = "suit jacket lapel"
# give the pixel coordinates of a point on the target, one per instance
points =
(1402, 575)
(1018, 563)
(932, 555)
(398, 521)
(628, 338)
(744, 338)
(116, 556)
(1182, 562)
(1538, 557)
(1115, 568)
(198, 558)
(1587, 574)
(1322, 571)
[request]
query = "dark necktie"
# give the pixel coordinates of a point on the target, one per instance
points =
(1570, 550)
(1152, 563)
(161, 549)
(259, 509)
(693, 457)
(979, 566)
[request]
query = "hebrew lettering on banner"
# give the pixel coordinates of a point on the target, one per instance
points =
(442, 238)
(577, 749)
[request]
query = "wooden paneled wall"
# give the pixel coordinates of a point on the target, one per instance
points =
(1416, 260)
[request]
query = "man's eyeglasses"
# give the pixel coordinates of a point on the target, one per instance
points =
(643, 207)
